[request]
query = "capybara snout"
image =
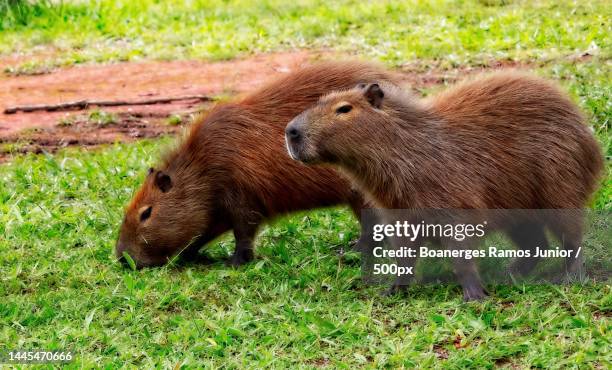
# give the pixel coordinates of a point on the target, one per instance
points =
(294, 138)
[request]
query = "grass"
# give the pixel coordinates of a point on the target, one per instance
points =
(457, 32)
(299, 304)
(101, 118)
(174, 120)
(302, 303)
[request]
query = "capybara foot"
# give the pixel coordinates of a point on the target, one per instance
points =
(361, 246)
(241, 258)
(354, 244)
(516, 268)
(395, 289)
(474, 292)
(522, 267)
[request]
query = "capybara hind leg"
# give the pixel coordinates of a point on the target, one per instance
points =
(244, 234)
(467, 275)
(528, 237)
(568, 228)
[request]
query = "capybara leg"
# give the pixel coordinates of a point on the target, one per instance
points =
(402, 281)
(568, 228)
(527, 236)
(244, 234)
(365, 244)
(574, 265)
(192, 254)
(242, 254)
(396, 288)
(468, 277)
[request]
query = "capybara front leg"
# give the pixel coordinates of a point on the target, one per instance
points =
(244, 234)
(192, 254)
(405, 263)
(366, 243)
(367, 218)
(401, 282)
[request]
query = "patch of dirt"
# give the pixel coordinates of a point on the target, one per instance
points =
(84, 132)
(440, 352)
(48, 131)
(458, 342)
(602, 315)
(319, 362)
(127, 81)
(42, 130)
(507, 363)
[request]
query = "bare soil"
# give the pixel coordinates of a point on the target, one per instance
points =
(48, 131)
(42, 130)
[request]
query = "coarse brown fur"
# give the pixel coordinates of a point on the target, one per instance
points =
(232, 171)
(507, 140)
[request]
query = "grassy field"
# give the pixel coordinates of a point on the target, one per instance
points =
(300, 303)
(455, 32)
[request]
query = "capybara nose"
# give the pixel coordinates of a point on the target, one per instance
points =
(293, 134)
(123, 261)
(119, 249)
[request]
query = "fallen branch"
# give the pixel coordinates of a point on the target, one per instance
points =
(84, 104)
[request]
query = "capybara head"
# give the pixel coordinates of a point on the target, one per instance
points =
(324, 132)
(159, 222)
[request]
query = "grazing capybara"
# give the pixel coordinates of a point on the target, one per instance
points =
(508, 140)
(232, 171)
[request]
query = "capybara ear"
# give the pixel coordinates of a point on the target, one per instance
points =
(151, 170)
(374, 94)
(163, 182)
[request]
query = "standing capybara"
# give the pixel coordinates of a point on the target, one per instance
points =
(501, 141)
(232, 171)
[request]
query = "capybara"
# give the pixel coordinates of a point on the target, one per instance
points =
(508, 140)
(232, 171)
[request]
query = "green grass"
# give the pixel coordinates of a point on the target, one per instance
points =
(101, 118)
(454, 31)
(300, 303)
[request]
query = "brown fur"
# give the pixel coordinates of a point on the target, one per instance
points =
(232, 171)
(506, 140)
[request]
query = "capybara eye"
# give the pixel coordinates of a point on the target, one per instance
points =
(344, 109)
(146, 214)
